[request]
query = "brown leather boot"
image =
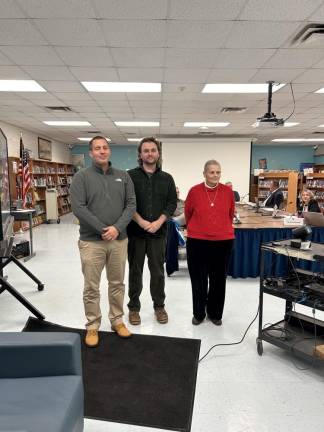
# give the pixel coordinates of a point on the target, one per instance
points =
(134, 317)
(92, 338)
(161, 315)
(121, 330)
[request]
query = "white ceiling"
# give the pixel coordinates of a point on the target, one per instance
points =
(182, 43)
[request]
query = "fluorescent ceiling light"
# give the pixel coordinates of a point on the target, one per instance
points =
(240, 88)
(134, 139)
(67, 123)
(322, 125)
(126, 87)
(137, 123)
(298, 139)
(205, 124)
(90, 138)
(20, 86)
(290, 124)
(315, 139)
(289, 140)
(321, 90)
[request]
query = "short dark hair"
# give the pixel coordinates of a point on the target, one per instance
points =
(97, 137)
(276, 183)
(158, 146)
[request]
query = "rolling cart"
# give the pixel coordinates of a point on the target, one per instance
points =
(51, 206)
(298, 333)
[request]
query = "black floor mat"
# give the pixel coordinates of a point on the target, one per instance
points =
(145, 380)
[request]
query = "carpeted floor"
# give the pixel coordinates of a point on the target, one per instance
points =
(145, 380)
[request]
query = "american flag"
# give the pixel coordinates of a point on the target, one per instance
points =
(24, 170)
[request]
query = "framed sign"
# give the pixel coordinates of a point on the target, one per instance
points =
(44, 149)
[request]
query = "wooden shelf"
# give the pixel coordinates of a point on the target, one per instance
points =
(55, 174)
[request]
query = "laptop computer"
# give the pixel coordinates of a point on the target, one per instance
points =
(314, 219)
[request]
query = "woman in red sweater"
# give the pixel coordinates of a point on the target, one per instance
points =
(209, 211)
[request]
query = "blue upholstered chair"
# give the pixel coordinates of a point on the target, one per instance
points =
(41, 385)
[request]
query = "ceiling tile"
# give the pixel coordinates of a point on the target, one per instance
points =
(94, 74)
(49, 73)
(32, 55)
(183, 76)
(85, 56)
(131, 9)
(191, 58)
(20, 32)
(138, 57)
(57, 8)
(137, 33)
(71, 32)
(294, 58)
(205, 9)
(277, 75)
(312, 76)
(13, 72)
(4, 60)
(62, 86)
(247, 34)
(281, 10)
(242, 58)
(230, 75)
(198, 34)
(140, 75)
(9, 9)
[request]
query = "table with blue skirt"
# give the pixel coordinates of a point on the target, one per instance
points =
(255, 230)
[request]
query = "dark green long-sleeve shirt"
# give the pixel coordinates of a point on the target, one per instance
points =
(101, 199)
(155, 195)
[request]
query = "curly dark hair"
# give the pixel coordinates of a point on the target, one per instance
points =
(158, 146)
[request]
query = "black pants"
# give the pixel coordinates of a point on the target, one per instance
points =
(154, 248)
(208, 263)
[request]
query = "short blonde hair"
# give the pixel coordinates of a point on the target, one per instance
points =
(310, 193)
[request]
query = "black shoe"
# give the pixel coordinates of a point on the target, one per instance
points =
(195, 321)
(216, 322)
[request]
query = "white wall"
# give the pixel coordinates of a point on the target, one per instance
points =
(60, 151)
(185, 159)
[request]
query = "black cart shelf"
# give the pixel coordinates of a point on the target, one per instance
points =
(296, 332)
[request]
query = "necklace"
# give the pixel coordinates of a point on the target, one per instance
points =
(212, 201)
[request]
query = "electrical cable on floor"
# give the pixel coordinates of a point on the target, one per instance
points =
(231, 343)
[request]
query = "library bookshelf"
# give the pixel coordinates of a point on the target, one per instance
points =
(44, 175)
(290, 183)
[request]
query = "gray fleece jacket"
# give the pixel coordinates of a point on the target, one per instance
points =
(99, 200)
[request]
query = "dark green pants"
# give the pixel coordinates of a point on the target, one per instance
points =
(154, 249)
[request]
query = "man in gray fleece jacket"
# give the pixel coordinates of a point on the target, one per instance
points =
(103, 199)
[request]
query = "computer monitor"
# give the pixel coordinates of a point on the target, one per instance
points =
(6, 224)
(314, 219)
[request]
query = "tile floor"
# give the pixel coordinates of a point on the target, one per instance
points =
(237, 390)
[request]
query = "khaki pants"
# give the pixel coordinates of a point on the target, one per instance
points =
(95, 255)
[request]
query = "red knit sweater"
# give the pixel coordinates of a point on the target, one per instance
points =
(209, 212)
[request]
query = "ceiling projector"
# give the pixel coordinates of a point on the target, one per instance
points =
(269, 119)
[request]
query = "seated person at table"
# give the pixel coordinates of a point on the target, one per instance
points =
(275, 197)
(307, 202)
(236, 194)
(178, 215)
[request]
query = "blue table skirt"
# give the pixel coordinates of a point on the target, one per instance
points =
(245, 261)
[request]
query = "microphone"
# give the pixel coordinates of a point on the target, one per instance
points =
(244, 196)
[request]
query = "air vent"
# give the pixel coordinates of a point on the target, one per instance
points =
(317, 133)
(59, 108)
(312, 33)
(91, 132)
(229, 110)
